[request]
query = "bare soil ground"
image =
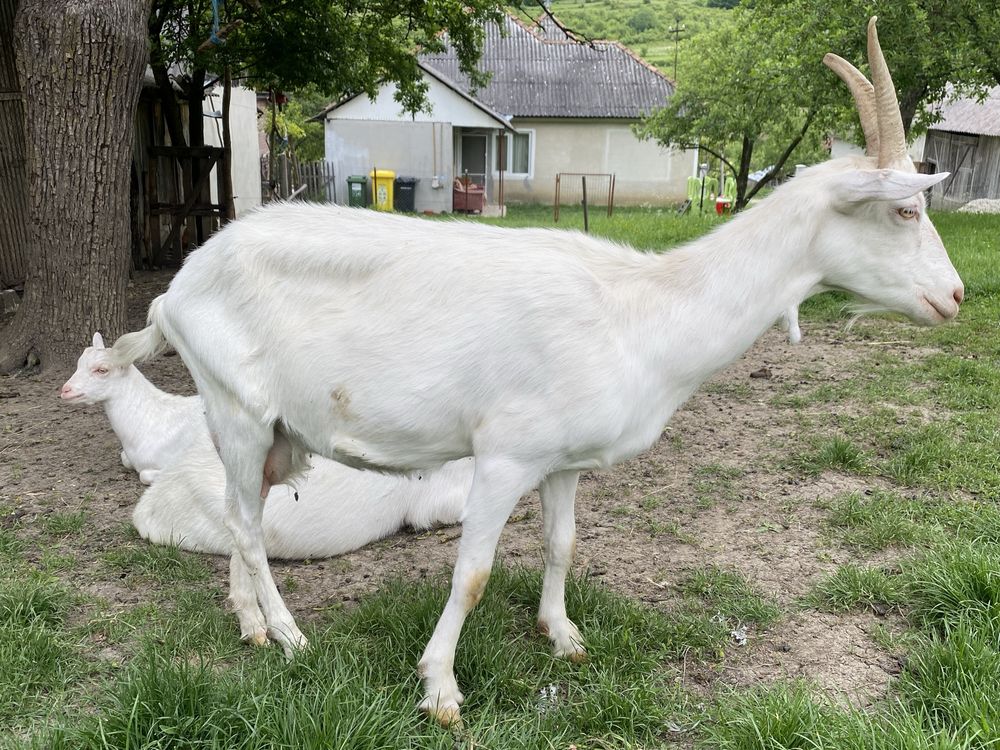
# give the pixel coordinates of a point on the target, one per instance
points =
(710, 492)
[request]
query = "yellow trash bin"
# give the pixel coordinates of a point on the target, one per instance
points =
(382, 180)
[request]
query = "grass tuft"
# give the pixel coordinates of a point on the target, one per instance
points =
(853, 587)
(732, 595)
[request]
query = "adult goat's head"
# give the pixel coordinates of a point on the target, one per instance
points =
(878, 241)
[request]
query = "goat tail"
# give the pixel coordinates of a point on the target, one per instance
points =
(144, 344)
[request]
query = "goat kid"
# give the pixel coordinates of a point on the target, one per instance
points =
(395, 343)
(154, 427)
(335, 510)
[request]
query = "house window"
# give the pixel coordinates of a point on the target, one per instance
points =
(515, 156)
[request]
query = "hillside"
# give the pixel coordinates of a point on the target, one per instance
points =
(643, 25)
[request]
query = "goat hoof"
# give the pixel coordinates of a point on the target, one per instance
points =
(257, 638)
(448, 716)
(578, 657)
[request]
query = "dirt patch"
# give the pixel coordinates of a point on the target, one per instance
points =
(709, 492)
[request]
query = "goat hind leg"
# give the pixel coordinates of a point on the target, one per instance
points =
(558, 493)
(244, 445)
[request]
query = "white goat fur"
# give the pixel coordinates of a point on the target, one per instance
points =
(335, 510)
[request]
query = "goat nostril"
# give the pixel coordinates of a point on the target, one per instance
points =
(959, 295)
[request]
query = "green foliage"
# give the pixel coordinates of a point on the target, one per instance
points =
(753, 91)
(340, 47)
(641, 24)
(831, 453)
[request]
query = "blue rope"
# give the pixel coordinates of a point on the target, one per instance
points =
(214, 37)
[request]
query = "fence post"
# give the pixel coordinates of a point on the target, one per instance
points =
(586, 223)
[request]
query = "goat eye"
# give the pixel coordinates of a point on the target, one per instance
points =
(101, 370)
(907, 213)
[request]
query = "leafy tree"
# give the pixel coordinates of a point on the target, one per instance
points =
(78, 123)
(738, 93)
(753, 90)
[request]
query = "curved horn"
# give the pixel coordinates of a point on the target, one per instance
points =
(892, 140)
(864, 97)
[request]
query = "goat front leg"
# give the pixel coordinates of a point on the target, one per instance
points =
(148, 476)
(243, 600)
(790, 322)
(558, 493)
(244, 447)
(496, 487)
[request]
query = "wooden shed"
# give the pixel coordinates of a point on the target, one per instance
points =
(965, 142)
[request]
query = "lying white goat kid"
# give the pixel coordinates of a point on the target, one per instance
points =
(154, 427)
(335, 510)
(398, 344)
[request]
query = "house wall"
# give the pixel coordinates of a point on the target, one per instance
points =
(645, 172)
(245, 145)
(414, 149)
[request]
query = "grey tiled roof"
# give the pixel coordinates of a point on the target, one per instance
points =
(542, 73)
(971, 116)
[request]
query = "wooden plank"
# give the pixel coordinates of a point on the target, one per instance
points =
(175, 229)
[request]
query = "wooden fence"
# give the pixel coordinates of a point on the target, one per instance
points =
(311, 181)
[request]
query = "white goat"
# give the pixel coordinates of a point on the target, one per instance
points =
(154, 427)
(396, 343)
(336, 509)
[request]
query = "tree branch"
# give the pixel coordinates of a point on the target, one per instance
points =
(576, 36)
(784, 156)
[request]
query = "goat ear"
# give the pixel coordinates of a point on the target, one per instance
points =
(98, 341)
(885, 185)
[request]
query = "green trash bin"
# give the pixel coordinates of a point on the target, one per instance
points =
(357, 190)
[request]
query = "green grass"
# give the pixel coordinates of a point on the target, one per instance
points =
(642, 228)
(732, 595)
(356, 687)
(163, 564)
(38, 661)
(831, 454)
(856, 587)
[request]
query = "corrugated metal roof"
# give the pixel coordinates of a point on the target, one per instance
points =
(971, 116)
(543, 73)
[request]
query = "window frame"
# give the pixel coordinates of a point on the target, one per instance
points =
(530, 132)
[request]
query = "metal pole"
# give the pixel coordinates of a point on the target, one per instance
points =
(586, 223)
(701, 202)
(555, 208)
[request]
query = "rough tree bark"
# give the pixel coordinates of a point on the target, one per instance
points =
(13, 184)
(82, 62)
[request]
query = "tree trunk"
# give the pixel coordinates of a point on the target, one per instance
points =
(83, 62)
(743, 174)
(13, 183)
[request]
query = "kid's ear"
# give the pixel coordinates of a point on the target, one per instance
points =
(98, 341)
(885, 185)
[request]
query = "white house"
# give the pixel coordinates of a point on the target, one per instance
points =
(560, 107)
